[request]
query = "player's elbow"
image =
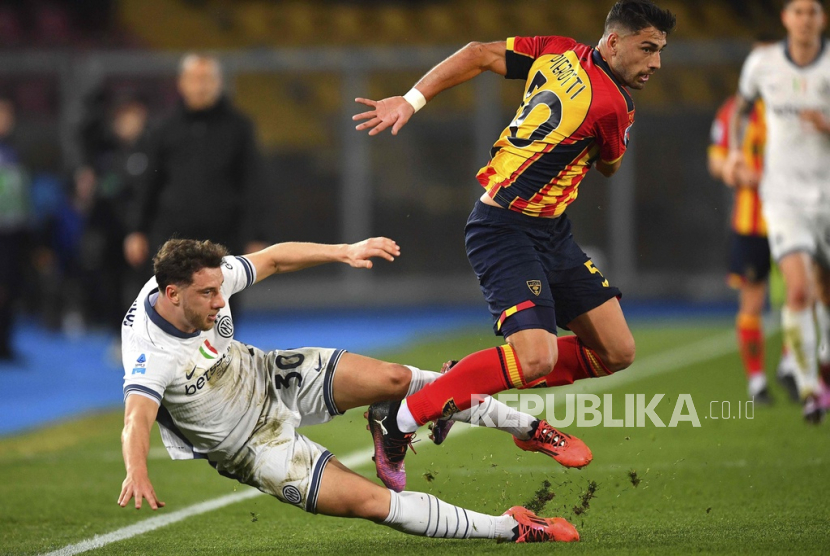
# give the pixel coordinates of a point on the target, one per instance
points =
(475, 53)
(473, 47)
(485, 56)
(608, 169)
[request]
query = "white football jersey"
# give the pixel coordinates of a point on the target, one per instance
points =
(209, 397)
(796, 168)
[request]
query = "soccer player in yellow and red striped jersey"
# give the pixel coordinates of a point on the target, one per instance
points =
(576, 112)
(749, 255)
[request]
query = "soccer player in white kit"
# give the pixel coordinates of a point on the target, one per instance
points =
(238, 407)
(793, 79)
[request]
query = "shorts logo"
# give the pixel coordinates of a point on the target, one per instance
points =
(225, 326)
(291, 494)
(535, 286)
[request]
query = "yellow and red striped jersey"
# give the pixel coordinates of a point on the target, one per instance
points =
(574, 112)
(746, 212)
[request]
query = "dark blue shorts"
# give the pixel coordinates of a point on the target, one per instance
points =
(749, 259)
(531, 271)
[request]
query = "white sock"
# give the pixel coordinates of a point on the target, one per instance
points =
(757, 382)
(420, 378)
(800, 337)
(418, 513)
(406, 422)
(823, 321)
(489, 413)
(492, 413)
(786, 365)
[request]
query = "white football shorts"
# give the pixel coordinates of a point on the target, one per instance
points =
(793, 229)
(276, 459)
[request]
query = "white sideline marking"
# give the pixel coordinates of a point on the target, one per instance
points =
(661, 363)
(354, 459)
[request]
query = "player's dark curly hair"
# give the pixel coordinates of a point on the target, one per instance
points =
(634, 15)
(179, 259)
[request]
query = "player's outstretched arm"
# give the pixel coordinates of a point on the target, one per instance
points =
(293, 256)
(139, 415)
(735, 170)
(473, 59)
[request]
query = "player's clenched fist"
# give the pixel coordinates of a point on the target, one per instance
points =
(392, 111)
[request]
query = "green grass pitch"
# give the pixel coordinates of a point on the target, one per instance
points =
(742, 486)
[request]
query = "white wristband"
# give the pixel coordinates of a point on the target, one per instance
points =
(415, 99)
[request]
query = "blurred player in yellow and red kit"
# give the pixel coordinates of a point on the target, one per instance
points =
(749, 255)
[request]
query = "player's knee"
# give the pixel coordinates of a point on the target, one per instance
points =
(537, 363)
(373, 505)
(799, 297)
(621, 357)
(397, 379)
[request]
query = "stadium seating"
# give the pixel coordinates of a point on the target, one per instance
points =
(250, 23)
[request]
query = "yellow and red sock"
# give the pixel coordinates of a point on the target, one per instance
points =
(750, 343)
(485, 372)
(575, 362)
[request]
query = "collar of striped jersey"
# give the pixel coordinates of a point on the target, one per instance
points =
(600, 62)
(159, 321)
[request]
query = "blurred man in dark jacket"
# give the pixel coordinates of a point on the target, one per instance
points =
(14, 221)
(203, 155)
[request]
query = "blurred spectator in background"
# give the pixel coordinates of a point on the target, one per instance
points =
(115, 146)
(80, 265)
(14, 220)
(204, 153)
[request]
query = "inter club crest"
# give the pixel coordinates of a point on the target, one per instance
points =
(224, 326)
(535, 286)
(292, 494)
